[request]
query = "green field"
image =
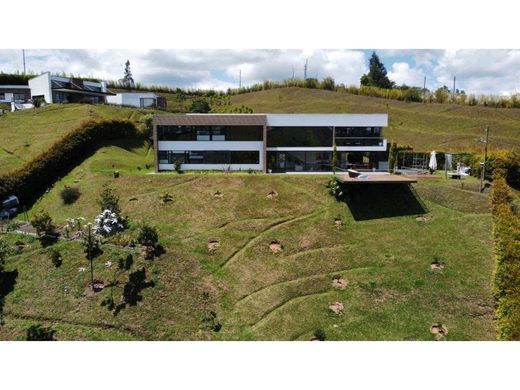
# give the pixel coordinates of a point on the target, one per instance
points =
(25, 134)
(444, 127)
(381, 249)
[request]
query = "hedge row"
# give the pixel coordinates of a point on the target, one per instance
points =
(38, 174)
(507, 270)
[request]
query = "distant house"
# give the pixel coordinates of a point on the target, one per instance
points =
(56, 89)
(14, 93)
(271, 142)
(137, 99)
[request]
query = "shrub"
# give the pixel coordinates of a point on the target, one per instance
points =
(55, 257)
(320, 334)
(108, 200)
(70, 194)
(108, 223)
(177, 166)
(42, 222)
(38, 101)
(40, 333)
(125, 263)
(199, 106)
(507, 271)
(148, 236)
(334, 187)
(328, 83)
(146, 125)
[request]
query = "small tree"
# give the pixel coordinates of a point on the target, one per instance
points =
(70, 194)
(148, 236)
(334, 158)
(128, 80)
(40, 333)
(328, 83)
(200, 106)
(377, 74)
(442, 94)
(92, 249)
(391, 157)
(42, 222)
(108, 200)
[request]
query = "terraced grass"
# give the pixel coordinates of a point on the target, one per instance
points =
(392, 293)
(445, 127)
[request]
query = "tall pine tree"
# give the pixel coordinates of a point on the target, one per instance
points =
(128, 80)
(376, 76)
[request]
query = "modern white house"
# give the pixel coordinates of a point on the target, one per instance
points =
(270, 142)
(137, 99)
(56, 89)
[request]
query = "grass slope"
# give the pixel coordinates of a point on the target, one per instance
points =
(25, 134)
(392, 292)
(445, 127)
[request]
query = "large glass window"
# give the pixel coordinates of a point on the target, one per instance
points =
(209, 133)
(299, 136)
(218, 157)
(300, 161)
(358, 136)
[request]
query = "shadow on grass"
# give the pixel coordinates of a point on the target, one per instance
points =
(373, 201)
(7, 283)
(131, 292)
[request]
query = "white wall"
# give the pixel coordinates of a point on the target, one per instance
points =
(210, 146)
(130, 98)
(41, 85)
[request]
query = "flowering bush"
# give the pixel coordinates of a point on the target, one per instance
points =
(108, 223)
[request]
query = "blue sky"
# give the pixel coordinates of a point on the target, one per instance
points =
(477, 71)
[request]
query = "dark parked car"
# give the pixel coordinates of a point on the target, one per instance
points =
(9, 207)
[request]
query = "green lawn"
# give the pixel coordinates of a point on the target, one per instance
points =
(381, 250)
(25, 134)
(445, 127)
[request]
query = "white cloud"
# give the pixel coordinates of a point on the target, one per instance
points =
(401, 73)
(477, 71)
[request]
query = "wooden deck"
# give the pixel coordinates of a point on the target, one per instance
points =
(377, 179)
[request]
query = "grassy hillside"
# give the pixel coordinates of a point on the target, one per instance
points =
(381, 250)
(444, 127)
(25, 134)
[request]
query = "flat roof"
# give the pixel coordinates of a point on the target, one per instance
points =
(339, 120)
(211, 119)
(285, 120)
(376, 179)
(14, 87)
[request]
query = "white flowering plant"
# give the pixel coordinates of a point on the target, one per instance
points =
(108, 223)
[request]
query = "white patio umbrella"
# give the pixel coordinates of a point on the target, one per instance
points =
(433, 161)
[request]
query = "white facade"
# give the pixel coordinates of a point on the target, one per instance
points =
(214, 146)
(134, 99)
(331, 121)
(41, 86)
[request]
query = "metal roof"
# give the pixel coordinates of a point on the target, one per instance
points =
(211, 120)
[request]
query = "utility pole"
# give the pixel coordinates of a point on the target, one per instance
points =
(23, 56)
(424, 90)
(305, 69)
(292, 78)
(453, 89)
(239, 78)
(483, 173)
